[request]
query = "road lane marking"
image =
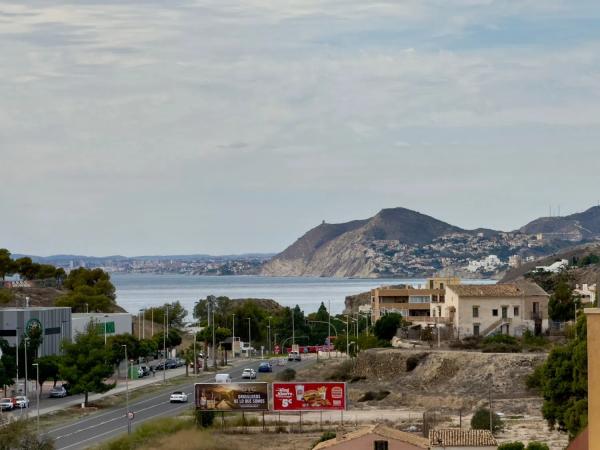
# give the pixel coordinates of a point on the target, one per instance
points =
(115, 429)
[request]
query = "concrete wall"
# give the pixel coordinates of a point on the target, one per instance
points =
(55, 323)
(593, 348)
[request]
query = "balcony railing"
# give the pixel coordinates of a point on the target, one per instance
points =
(536, 315)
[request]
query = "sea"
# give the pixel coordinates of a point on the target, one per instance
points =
(137, 291)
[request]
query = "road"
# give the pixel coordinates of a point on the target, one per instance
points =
(111, 422)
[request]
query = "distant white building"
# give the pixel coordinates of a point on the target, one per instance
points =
(515, 261)
(488, 264)
(553, 268)
(586, 292)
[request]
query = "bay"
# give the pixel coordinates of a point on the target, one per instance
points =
(137, 291)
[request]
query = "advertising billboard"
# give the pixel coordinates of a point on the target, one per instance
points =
(232, 396)
(309, 396)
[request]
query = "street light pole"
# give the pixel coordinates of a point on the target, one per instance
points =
(152, 321)
(249, 337)
(214, 344)
(233, 337)
(269, 335)
(18, 329)
(127, 390)
(347, 338)
(165, 351)
(37, 403)
(329, 329)
(26, 364)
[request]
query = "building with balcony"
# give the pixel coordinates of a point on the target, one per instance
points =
(414, 303)
(482, 310)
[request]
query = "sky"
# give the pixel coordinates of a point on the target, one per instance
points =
(175, 127)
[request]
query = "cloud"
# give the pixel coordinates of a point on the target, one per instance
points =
(128, 105)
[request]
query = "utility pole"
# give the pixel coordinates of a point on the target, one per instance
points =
(269, 335)
(347, 338)
(152, 321)
(293, 331)
(329, 329)
(249, 336)
(18, 329)
(233, 337)
(491, 411)
(127, 389)
(26, 364)
(165, 350)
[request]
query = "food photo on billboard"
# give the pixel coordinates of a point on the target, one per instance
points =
(232, 396)
(315, 396)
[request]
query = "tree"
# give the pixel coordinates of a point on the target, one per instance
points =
(86, 363)
(561, 306)
(115, 346)
(6, 296)
(385, 328)
(537, 446)
(176, 312)
(49, 368)
(512, 446)
(8, 363)
(563, 383)
(18, 434)
(6, 263)
(481, 420)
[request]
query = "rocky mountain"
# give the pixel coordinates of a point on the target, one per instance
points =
(576, 227)
(399, 242)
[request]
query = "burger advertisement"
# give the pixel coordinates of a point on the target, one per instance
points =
(309, 396)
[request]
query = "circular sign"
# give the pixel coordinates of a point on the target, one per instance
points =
(33, 326)
(130, 415)
(277, 349)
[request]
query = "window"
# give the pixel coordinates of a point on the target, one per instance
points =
(380, 445)
(475, 311)
(476, 330)
(516, 311)
(419, 299)
(441, 285)
(495, 312)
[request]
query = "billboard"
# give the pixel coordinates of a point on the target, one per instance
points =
(309, 396)
(232, 396)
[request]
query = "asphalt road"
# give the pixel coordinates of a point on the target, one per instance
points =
(112, 422)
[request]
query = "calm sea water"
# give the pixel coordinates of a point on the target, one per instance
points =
(136, 291)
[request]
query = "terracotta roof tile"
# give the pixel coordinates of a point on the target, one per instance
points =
(465, 438)
(497, 290)
(380, 430)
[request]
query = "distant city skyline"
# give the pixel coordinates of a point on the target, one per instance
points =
(182, 127)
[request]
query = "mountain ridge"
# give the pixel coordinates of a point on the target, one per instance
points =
(378, 246)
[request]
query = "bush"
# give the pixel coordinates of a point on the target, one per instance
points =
(327, 435)
(286, 375)
(205, 419)
(468, 343)
(501, 348)
(343, 372)
(481, 420)
(500, 339)
(371, 395)
(512, 446)
(148, 432)
(534, 380)
(531, 340)
(537, 446)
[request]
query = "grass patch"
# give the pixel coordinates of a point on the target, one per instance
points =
(145, 434)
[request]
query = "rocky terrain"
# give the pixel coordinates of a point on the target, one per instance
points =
(402, 243)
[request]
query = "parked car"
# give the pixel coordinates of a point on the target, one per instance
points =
(178, 397)
(180, 362)
(20, 401)
(6, 404)
(249, 373)
(159, 366)
(143, 371)
(58, 392)
(171, 364)
(265, 367)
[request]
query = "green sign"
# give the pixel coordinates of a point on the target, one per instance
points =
(108, 326)
(33, 326)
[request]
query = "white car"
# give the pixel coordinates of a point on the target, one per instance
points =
(6, 404)
(178, 397)
(249, 373)
(21, 401)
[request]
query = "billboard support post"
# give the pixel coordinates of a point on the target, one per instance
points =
(301, 421)
(320, 420)
(263, 420)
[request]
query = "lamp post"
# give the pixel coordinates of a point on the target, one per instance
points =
(152, 321)
(269, 334)
(127, 390)
(165, 346)
(37, 402)
(26, 341)
(249, 336)
(18, 329)
(233, 337)
(329, 329)
(105, 316)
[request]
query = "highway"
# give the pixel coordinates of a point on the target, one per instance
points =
(111, 423)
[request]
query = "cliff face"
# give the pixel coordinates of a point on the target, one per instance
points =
(342, 250)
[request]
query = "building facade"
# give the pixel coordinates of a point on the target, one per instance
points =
(416, 304)
(482, 310)
(111, 323)
(54, 324)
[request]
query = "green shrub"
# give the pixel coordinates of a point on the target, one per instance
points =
(205, 419)
(534, 380)
(501, 348)
(481, 420)
(327, 435)
(501, 339)
(533, 341)
(537, 446)
(512, 446)
(148, 432)
(468, 343)
(286, 375)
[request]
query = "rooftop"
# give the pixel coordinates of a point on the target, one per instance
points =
(380, 430)
(456, 436)
(498, 290)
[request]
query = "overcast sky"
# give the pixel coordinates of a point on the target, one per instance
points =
(158, 127)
